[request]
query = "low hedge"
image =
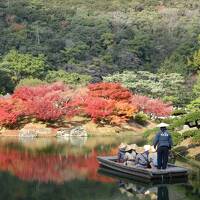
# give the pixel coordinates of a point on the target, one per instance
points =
(179, 112)
(177, 138)
(196, 138)
(192, 117)
(190, 133)
(141, 118)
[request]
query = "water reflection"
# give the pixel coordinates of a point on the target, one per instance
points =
(171, 189)
(175, 191)
(141, 192)
(54, 160)
(163, 193)
(46, 167)
(35, 169)
(75, 141)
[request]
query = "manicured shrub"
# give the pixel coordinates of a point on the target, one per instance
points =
(141, 118)
(192, 117)
(176, 137)
(196, 138)
(178, 112)
(176, 123)
(190, 133)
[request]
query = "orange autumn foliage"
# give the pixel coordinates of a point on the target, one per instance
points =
(122, 112)
(125, 109)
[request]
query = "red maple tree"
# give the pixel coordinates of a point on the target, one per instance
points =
(102, 102)
(10, 111)
(99, 108)
(107, 90)
(105, 102)
(44, 102)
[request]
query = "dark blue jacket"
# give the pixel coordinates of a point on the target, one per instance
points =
(163, 139)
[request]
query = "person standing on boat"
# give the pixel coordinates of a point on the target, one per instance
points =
(163, 142)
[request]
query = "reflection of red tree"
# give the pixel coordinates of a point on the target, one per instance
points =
(50, 168)
(90, 165)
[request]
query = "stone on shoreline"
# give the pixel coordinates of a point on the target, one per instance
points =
(63, 132)
(43, 131)
(34, 130)
(78, 131)
(185, 129)
(28, 133)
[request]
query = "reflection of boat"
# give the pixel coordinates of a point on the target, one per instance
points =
(154, 190)
(145, 175)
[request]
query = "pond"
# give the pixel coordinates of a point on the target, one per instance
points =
(67, 169)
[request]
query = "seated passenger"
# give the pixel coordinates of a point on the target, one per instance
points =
(153, 157)
(121, 152)
(142, 158)
(130, 155)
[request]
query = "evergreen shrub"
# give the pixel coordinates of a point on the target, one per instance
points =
(141, 118)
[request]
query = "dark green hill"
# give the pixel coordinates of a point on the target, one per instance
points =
(101, 37)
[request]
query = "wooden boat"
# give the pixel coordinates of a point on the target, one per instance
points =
(104, 171)
(145, 174)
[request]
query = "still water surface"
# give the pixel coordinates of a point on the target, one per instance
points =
(67, 169)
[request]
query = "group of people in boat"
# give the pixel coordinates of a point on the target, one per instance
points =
(132, 155)
(155, 156)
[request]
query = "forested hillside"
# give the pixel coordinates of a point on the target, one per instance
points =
(92, 38)
(142, 58)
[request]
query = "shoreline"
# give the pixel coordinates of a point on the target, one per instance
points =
(92, 129)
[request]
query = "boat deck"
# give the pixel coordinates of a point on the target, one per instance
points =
(147, 173)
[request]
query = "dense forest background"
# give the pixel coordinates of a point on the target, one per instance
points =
(87, 41)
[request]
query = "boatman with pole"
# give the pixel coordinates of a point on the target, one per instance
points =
(163, 142)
